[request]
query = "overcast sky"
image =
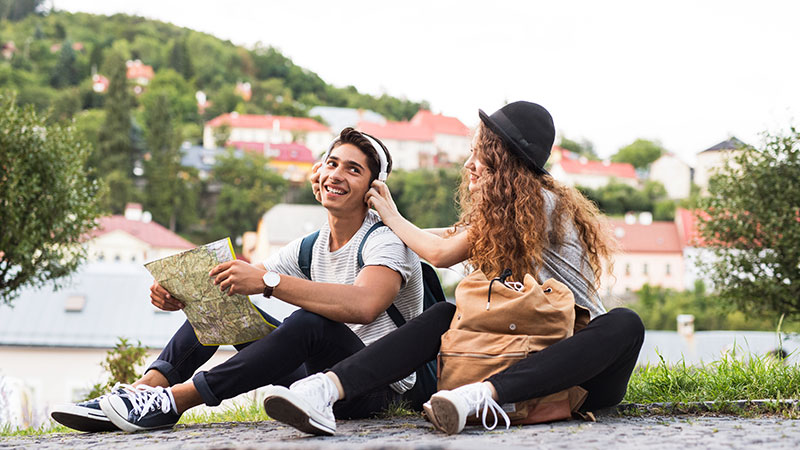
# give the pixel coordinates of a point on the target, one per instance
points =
(687, 73)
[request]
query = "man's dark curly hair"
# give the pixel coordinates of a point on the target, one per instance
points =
(352, 136)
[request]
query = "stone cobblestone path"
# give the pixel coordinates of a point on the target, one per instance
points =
(415, 433)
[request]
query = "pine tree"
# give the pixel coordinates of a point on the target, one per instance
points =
(65, 72)
(163, 164)
(115, 150)
(180, 60)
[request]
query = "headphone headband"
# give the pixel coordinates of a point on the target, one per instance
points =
(382, 174)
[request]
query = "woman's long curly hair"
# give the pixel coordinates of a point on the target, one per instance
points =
(506, 219)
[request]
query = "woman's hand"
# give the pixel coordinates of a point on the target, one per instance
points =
(379, 197)
(238, 277)
(162, 299)
(314, 179)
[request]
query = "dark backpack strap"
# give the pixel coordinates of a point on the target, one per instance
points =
(392, 310)
(304, 257)
(374, 227)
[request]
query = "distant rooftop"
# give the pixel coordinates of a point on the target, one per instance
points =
(656, 237)
(261, 121)
(149, 232)
(103, 302)
(339, 118)
(730, 144)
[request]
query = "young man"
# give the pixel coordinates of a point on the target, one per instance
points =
(342, 310)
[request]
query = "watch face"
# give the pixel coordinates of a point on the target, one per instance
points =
(272, 279)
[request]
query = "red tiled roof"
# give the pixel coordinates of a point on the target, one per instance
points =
(439, 123)
(586, 167)
(261, 121)
(138, 70)
(399, 131)
(687, 227)
(291, 152)
(150, 232)
(658, 237)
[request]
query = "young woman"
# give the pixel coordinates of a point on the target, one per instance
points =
(514, 215)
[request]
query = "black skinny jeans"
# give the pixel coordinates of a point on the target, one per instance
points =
(304, 343)
(599, 358)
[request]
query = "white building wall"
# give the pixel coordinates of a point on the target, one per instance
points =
(455, 147)
(709, 163)
(674, 174)
(633, 270)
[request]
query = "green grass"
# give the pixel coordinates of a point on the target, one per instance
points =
(725, 380)
(250, 412)
(729, 379)
(48, 428)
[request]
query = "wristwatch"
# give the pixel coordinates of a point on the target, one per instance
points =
(271, 280)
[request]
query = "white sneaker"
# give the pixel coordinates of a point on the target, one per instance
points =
(451, 408)
(307, 405)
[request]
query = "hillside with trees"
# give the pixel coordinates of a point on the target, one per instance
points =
(73, 69)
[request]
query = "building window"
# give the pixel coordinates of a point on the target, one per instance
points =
(117, 258)
(627, 268)
(669, 272)
(75, 303)
(644, 269)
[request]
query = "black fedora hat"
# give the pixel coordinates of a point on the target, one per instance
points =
(528, 130)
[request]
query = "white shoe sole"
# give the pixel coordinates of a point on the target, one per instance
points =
(109, 406)
(445, 411)
(82, 418)
(285, 407)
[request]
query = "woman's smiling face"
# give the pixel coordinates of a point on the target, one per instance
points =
(474, 165)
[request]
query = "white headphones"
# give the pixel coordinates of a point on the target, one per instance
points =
(382, 175)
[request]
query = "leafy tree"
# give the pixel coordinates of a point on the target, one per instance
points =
(115, 149)
(751, 223)
(46, 200)
(66, 104)
(640, 153)
(426, 197)
(584, 148)
(248, 190)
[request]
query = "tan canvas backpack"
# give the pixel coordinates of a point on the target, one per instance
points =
(492, 331)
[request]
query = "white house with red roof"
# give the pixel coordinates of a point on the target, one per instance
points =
(574, 170)
(258, 130)
(293, 161)
(132, 238)
(428, 140)
(650, 252)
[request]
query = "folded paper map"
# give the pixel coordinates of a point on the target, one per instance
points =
(216, 317)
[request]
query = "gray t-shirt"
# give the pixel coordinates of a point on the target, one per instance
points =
(382, 248)
(567, 262)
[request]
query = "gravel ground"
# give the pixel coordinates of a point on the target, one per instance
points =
(406, 433)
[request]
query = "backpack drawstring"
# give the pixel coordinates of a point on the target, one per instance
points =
(502, 278)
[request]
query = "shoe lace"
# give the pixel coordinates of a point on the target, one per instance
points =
(316, 390)
(119, 388)
(145, 399)
(481, 401)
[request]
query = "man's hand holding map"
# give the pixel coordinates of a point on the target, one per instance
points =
(216, 317)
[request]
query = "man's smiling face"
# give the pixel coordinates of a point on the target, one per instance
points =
(344, 179)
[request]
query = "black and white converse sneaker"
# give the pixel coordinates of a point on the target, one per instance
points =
(147, 408)
(87, 415)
